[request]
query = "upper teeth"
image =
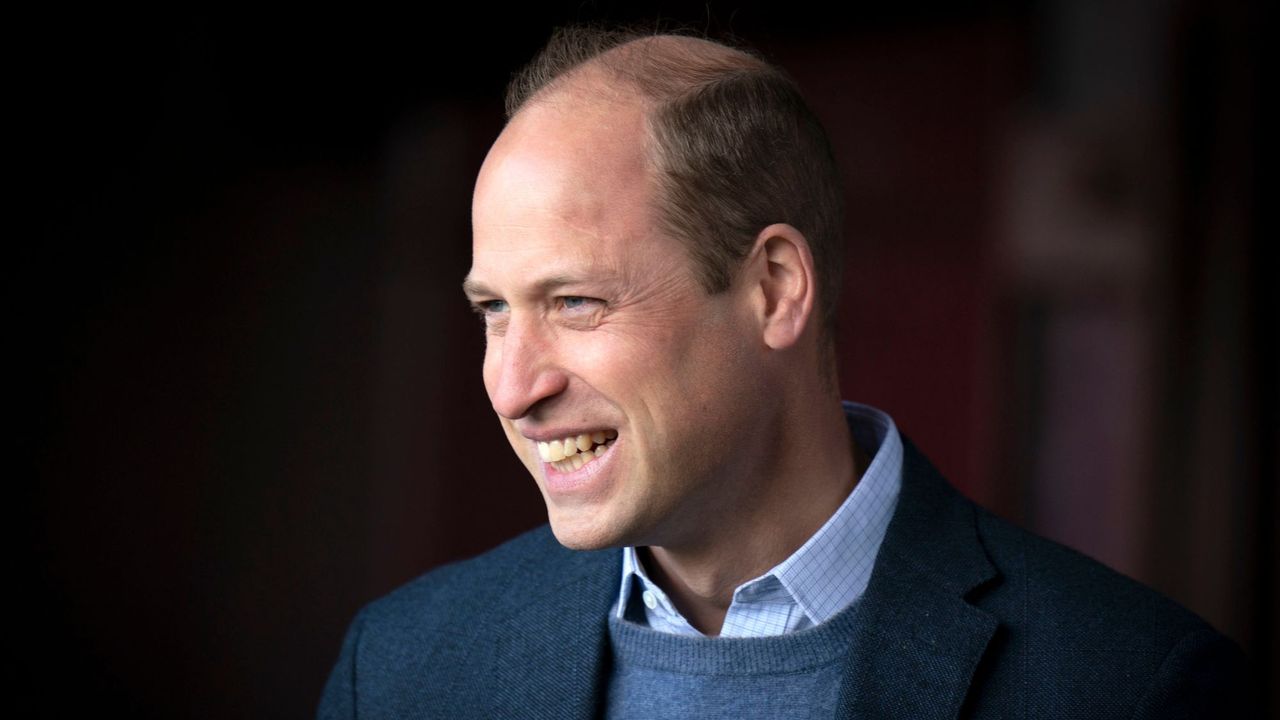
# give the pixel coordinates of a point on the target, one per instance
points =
(557, 450)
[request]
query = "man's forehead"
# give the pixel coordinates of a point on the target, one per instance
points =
(531, 202)
(529, 190)
(515, 259)
(537, 269)
(540, 281)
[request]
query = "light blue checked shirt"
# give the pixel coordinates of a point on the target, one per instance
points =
(820, 579)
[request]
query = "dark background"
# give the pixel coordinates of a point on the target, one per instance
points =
(249, 392)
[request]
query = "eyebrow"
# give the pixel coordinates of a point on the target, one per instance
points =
(474, 288)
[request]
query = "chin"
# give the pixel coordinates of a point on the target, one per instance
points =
(583, 533)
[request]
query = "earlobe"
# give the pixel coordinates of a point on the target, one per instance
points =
(783, 272)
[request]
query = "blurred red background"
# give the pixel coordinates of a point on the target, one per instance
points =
(251, 385)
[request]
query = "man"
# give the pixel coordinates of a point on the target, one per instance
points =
(656, 259)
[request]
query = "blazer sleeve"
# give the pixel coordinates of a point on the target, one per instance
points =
(1205, 675)
(338, 701)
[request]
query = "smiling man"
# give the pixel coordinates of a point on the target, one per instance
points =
(651, 410)
(656, 259)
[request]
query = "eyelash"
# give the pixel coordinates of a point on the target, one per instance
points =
(486, 307)
(563, 301)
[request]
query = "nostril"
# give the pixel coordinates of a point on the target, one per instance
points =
(517, 393)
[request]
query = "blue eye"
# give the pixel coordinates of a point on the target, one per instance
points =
(494, 306)
(578, 304)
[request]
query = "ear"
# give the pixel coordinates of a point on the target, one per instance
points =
(782, 284)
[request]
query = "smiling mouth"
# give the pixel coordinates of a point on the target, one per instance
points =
(573, 452)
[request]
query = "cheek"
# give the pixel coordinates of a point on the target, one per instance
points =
(635, 345)
(627, 370)
(663, 379)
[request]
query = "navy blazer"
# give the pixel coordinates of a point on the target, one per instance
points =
(967, 616)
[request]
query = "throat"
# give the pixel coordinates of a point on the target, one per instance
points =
(705, 608)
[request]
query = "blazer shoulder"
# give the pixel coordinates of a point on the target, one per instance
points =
(428, 643)
(1077, 601)
(460, 593)
(1074, 620)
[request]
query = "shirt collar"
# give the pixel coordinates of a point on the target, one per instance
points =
(832, 568)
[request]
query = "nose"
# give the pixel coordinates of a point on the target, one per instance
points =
(521, 368)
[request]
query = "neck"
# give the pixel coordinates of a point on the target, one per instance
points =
(819, 466)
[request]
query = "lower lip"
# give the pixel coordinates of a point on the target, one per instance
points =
(583, 480)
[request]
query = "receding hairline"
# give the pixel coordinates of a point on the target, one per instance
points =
(657, 68)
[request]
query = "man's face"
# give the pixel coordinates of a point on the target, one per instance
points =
(597, 329)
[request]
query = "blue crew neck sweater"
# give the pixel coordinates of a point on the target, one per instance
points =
(793, 676)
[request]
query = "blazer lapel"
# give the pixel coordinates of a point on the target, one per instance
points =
(920, 642)
(549, 655)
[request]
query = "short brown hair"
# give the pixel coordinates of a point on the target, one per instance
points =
(737, 147)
